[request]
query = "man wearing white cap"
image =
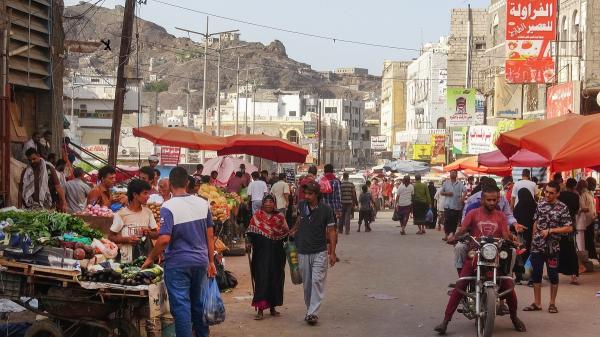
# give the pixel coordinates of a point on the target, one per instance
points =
(153, 161)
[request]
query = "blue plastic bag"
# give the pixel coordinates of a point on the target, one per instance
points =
(429, 216)
(213, 306)
(528, 269)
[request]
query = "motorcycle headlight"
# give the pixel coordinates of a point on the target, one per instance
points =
(489, 251)
(503, 255)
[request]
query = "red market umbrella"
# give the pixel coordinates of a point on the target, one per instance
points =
(522, 158)
(472, 165)
(568, 143)
(267, 147)
(180, 137)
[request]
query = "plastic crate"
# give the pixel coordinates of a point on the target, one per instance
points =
(10, 285)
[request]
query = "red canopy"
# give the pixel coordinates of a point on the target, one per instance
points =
(267, 147)
(522, 158)
(471, 164)
(180, 137)
(569, 142)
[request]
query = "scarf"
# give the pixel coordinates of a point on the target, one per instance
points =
(45, 198)
(272, 226)
(330, 176)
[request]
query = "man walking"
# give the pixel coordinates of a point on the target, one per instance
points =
(453, 191)
(333, 198)
(281, 192)
(349, 200)
(257, 191)
(316, 240)
(422, 203)
(551, 220)
(186, 232)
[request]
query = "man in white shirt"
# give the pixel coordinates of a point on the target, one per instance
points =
(256, 191)
(281, 192)
(404, 201)
(525, 182)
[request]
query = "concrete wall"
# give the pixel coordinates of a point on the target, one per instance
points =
(393, 99)
(457, 54)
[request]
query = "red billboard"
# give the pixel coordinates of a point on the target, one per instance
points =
(530, 29)
(169, 156)
(562, 99)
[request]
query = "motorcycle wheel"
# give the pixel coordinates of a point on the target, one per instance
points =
(485, 322)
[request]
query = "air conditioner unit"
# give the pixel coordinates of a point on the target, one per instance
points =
(125, 152)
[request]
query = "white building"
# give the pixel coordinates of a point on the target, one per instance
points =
(426, 88)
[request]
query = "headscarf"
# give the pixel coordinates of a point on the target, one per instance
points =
(525, 208)
(272, 226)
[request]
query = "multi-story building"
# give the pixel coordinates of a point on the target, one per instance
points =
(393, 100)
(426, 88)
(352, 71)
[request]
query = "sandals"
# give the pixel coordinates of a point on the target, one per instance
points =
(532, 307)
(275, 313)
(259, 316)
(312, 319)
(552, 309)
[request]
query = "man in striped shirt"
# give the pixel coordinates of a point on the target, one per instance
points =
(349, 200)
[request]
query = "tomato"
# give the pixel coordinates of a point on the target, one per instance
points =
(527, 45)
(514, 55)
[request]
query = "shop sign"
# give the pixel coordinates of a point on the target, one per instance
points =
(438, 149)
(378, 143)
(530, 31)
(169, 156)
(562, 99)
(461, 106)
(422, 152)
(481, 139)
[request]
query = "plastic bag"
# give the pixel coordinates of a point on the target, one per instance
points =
(292, 257)
(106, 248)
(528, 269)
(396, 216)
(429, 216)
(213, 306)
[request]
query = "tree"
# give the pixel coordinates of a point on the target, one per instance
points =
(156, 87)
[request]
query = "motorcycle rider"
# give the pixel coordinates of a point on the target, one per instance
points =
(484, 221)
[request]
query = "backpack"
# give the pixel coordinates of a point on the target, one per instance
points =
(325, 185)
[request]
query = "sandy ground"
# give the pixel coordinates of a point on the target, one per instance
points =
(414, 270)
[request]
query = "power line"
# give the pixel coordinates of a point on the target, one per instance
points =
(322, 37)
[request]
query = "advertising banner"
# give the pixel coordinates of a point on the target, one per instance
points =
(98, 150)
(310, 129)
(169, 156)
(461, 106)
(481, 139)
(530, 30)
(438, 149)
(422, 152)
(562, 99)
(459, 141)
(378, 143)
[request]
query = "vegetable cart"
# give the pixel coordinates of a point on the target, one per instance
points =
(76, 308)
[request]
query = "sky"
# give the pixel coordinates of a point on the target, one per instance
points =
(397, 23)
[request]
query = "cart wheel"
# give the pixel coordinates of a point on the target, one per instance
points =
(44, 328)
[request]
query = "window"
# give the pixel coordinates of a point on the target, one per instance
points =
(104, 141)
(346, 109)
(292, 136)
(292, 113)
(575, 28)
(95, 80)
(83, 106)
(563, 35)
(330, 110)
(495, 30)
(441, 123)
(480, 46)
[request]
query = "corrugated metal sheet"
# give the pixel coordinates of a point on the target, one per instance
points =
(30, 43)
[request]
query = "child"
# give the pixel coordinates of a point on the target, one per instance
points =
(366, 209)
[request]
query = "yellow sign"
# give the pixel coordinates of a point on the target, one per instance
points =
(438, 149)
(422, 152)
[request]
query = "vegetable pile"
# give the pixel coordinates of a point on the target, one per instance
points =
(97, 210)
(46, 224)
(129, 274)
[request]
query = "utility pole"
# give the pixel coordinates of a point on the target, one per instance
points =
(254, 107)
(237, 97)
(469, 42)
(220, 50)
(124, 51)
(246, 100)
(206, 36)
(319, 108)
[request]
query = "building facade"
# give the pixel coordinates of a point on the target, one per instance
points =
(393, 100)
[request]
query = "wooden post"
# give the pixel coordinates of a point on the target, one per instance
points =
(125, 49)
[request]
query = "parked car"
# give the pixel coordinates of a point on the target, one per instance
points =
(358, 180)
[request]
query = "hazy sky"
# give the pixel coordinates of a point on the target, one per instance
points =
(399, 23)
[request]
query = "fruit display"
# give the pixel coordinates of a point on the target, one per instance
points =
(219, 212)
(155, 208)
(97, 210)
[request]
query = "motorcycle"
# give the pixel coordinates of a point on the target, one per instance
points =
(481, 301)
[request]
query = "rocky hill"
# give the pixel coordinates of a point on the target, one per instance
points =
(178, 61)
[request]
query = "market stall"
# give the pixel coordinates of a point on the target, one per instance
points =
(65, 270)
(471, 164)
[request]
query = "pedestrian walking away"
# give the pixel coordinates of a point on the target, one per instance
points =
(552, 219)
(453, 191)
(316, 240)
(421, 204)
(365, 212)
(330, 188)
(349, 201)
(281, 192)
(186, 236)
(257, 189)
(404, 200)
(265, 236)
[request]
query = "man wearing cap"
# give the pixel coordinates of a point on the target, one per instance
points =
(316, 238)
(153, 161)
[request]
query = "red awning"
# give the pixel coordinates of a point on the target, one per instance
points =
(471, 164)
(522, 158)
(180, 137)
(267, 147)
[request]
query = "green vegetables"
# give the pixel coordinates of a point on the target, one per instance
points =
(43, 224)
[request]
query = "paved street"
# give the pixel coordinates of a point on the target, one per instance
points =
(414, 270)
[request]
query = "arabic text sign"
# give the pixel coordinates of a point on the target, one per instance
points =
(562, 99)
(438, 150)
(459, 142)
(169, 156)
(421, 152)
(378, 142)
(98, 150)
(461, 106)
(530, 28)
(531, 20)
(481, 139)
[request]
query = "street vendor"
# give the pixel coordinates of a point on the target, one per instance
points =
(134, 225)
(100, 195)
(148, 174)
(40, 187)
(153, 161)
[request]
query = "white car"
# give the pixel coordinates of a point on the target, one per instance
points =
(358, 180)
